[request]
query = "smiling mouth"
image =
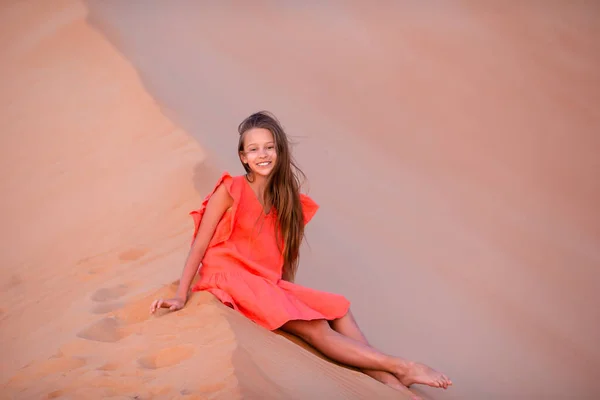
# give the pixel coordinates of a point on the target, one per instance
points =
(263, 164)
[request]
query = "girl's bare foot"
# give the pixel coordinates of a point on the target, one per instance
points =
(410, 373)
(391, 381)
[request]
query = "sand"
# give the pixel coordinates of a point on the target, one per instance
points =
(453, 150)
(103, 183)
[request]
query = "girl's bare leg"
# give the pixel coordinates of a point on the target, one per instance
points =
(348, 351)
(347, 326)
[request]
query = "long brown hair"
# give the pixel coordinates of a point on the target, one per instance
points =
(282, 191)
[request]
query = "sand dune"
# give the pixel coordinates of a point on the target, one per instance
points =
(97, 184)
(206, 351)
(453, 150)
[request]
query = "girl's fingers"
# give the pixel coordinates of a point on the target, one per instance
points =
(157, 304)
(171, 305)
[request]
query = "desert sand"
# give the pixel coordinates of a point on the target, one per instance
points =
(453, 150)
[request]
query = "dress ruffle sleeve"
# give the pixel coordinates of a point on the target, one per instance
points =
(225, 226)
(309, 207)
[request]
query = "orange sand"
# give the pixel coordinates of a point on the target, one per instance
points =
(115, 122)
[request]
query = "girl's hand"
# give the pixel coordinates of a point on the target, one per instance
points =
(174, 304)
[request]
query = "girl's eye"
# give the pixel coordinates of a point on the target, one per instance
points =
(252, 150)
(270, 147)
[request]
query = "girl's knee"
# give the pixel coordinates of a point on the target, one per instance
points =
(348, 315)
(309, 331)
(341, 320)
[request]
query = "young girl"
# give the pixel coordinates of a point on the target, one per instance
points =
(247, 239)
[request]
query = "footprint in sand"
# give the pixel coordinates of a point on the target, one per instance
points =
(107, 330)
(108, 367)
(55, 394)
(132, 254)
(109, 294)
(166, 357)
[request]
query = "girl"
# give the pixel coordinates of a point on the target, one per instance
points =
(247, 238)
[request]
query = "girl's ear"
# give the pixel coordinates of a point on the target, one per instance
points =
(243, 158)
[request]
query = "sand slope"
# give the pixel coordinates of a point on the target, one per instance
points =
(453, 149)
(206, 351)
(96, 187)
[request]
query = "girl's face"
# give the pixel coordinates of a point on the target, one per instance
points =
(259, 151)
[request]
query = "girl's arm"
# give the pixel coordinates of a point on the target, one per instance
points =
(218, 203)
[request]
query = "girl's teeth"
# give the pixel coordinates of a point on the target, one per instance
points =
(262, 164)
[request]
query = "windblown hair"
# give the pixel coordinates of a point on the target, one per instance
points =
(282, 191)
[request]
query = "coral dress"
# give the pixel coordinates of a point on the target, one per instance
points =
(242, 266)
